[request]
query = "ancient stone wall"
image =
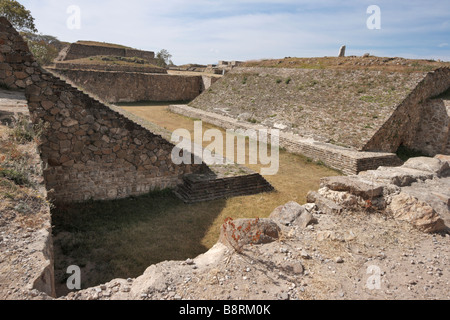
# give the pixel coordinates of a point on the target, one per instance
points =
(433, 135)
(89, 150)
(366, 110)
(344, 159)
(109, 67)
(79, 51)
(116, 87)
(403, 125)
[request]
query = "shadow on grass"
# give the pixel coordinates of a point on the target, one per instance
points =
(121, 238)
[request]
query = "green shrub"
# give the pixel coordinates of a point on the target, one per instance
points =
(17, 177)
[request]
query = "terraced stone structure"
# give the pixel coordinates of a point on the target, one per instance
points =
(89, 150)
(120, 86)
(352, 120)
(86, 49)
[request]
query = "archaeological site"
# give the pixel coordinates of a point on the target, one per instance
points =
(359, 207)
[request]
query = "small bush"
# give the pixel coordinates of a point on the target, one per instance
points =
(279, 80)
(288, 80)
(17, 177)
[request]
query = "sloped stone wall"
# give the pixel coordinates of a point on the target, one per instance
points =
(403, 125)
(89, 150)
(433, 135)
(116, 87)
(347, 160)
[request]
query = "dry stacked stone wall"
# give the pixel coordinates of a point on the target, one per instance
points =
(89, 150)
(403, 126)
(347, 160)
(114, 87)
(109, 67)
(433, 135)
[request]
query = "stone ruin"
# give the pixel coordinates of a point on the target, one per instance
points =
(86, 49)
(90, 150)
(325, 115)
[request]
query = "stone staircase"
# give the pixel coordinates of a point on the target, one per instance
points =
(212, 186)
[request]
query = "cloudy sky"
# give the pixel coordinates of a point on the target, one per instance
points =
(206, 31)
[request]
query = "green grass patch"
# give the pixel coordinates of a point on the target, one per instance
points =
(17, 177)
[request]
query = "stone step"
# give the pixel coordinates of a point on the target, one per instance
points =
(197, 188)
(241, 190)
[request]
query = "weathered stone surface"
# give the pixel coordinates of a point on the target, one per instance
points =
(325, 205)
(249, 231)
(399, 176)
(432, 165)
(292, 213)
(353, 185)
(342, 198)
(443, 157)
(305, 219)
(288, 213)
(78, 142)
(420, 214)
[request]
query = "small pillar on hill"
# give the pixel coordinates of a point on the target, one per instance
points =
(342, 51)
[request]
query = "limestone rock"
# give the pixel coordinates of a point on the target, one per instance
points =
(249, 231)
(305, 219)
(420, 214)
(353, 185)
(399, 176)
(152, 280)
(433, 165)
(323, 204)
(288, 213)
(341, 198)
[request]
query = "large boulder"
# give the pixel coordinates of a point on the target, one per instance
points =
(418, 213)
(354, 185)
(292, 213)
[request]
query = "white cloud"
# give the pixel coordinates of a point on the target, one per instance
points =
(249, 29)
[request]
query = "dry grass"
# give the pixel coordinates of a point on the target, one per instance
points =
(296, 176)
(20, 196)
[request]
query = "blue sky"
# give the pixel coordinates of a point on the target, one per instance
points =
(206, 31)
